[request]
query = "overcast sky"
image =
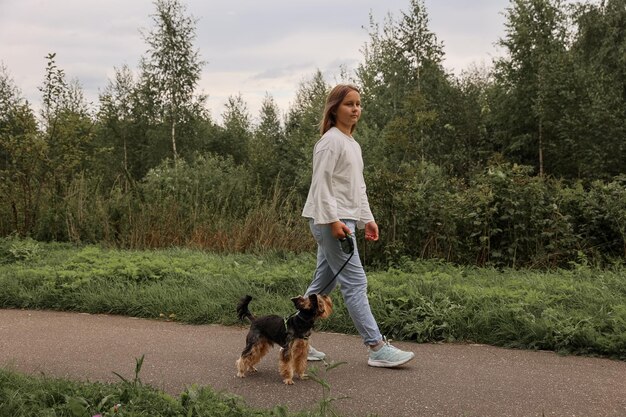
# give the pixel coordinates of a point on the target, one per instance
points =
(250, 46)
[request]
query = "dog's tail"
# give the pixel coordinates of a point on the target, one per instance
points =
(242, 309)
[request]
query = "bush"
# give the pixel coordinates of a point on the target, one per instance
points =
(14, 249)
(516, 220)
(503, 217)
(599, 217)
(416, 209)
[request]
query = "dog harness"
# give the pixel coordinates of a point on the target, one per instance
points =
(287, 326)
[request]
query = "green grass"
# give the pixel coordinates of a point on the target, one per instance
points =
(27, 396)
(581, 310)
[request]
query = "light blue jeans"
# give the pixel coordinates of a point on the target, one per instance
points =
(330, 259)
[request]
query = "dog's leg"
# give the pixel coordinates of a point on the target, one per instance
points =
(300, 351)
(285, 365)
(241, 367)
(262, 347)
(245, 364)
(250, 356)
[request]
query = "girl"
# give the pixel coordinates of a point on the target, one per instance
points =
(336, 205)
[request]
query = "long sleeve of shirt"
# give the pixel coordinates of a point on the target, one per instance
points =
(338, 188)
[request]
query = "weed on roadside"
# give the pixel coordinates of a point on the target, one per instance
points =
(27, 396)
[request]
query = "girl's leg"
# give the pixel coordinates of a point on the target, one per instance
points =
(352, 279)
(323, 273)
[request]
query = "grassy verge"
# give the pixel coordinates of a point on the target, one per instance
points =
(27, 396)
(22, 396)
(581, 310)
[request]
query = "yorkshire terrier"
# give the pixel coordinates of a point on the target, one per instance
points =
(290, 333)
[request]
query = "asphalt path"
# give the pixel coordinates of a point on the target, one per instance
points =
(443, 380)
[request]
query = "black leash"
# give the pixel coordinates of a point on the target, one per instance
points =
(347, 246)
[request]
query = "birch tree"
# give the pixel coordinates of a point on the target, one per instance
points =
(171, 67)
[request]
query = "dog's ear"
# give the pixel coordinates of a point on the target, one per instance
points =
(325, 306)
(314, 302)
(297, 301)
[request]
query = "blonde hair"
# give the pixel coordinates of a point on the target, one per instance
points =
(333, 100)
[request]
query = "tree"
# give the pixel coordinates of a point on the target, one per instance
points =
(596, 124)
(406, 93)
(302, 130)
(418, 44)
(235, 137)
(116, 118)
(469, 121)
(10, 95)
(67, 124)
(264, 143)
(171, 69)
(531, 79)
(68, 131)
(22, 155)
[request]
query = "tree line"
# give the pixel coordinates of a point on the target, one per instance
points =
(521, 163)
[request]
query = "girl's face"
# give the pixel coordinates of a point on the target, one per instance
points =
(348, 112)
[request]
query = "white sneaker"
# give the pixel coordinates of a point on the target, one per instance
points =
(389, 356)
(315, 355)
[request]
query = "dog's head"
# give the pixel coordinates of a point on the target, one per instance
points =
(316, 305)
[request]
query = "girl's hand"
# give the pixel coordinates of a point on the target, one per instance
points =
(339, 230)
(371, 231)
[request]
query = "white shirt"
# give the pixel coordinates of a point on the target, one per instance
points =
(337, 186)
